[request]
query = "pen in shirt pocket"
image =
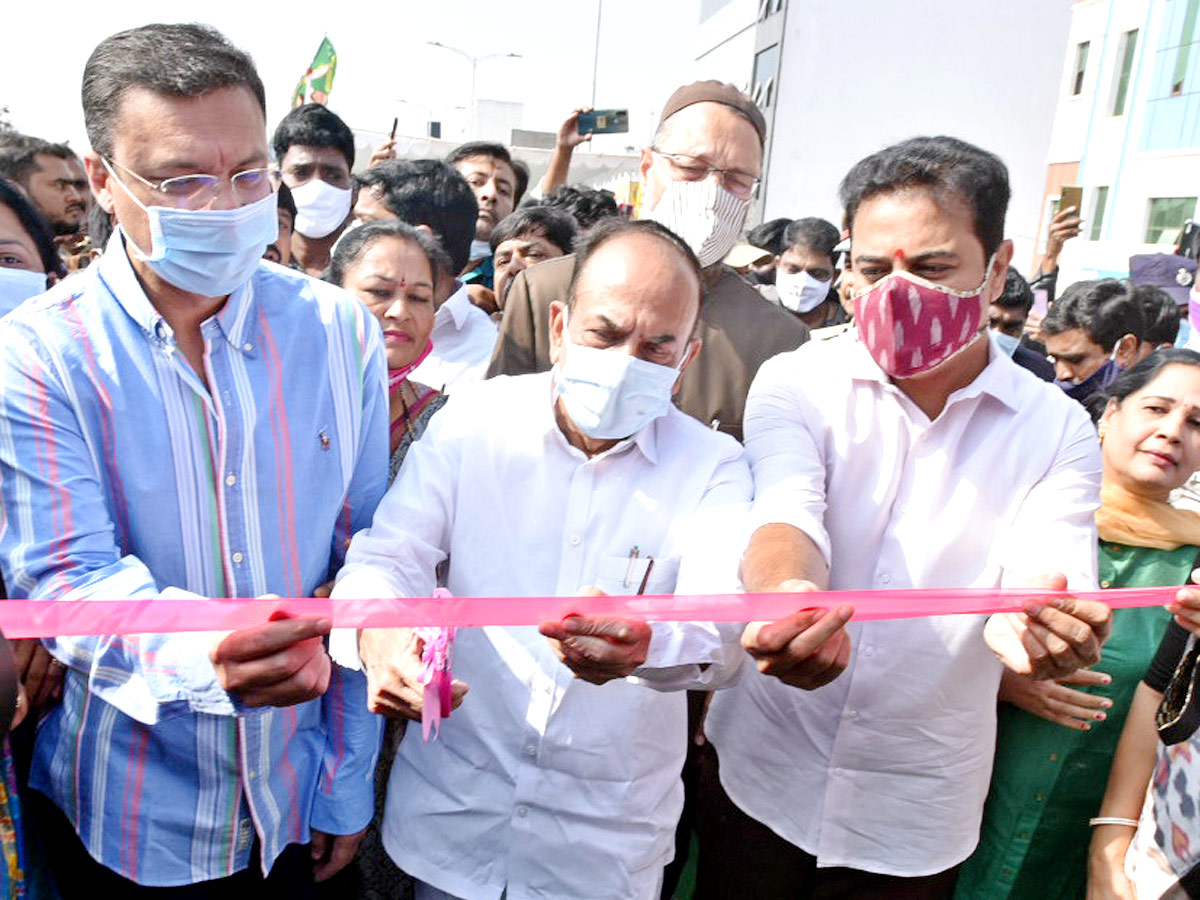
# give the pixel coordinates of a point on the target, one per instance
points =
(645, 578)
(633, 556)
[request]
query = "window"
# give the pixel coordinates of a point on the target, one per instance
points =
(1167, 216)
(1187, 41)
(1081, 55)
(1126, 53)
(1099, 202)
(766, 64)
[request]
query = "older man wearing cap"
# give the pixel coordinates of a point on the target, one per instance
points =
(698, 177)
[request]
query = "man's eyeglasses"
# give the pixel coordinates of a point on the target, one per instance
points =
(198, 191)
(689, 168)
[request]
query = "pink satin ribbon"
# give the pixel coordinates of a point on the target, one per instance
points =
(49, 618)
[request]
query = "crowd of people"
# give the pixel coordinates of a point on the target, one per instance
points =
(431, 373)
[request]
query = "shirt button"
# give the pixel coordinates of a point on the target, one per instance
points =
(1039, 798)
(522, 811)
(869, 650)
(839, 772)
(231, 479)
(531, 750)
(237, 557)
(1053, 757)
(852, 714)
(247, 347)
(885, 578)
(575, 540)
(1024, 835)
(1106, 584)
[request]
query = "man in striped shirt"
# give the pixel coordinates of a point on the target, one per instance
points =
(183, 418)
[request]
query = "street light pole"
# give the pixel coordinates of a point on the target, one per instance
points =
(596, 54)
(474, 61)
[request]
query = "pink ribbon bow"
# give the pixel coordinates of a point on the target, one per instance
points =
(435, 674)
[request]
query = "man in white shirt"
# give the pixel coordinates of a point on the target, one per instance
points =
(558, 777)
(430, 194)
(911, 454)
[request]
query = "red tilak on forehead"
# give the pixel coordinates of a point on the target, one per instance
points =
(898, 256)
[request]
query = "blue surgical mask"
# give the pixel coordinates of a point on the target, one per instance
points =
(1007, 342)
(609, 394)
(210, 252)
(1095, 383)
(17, 286)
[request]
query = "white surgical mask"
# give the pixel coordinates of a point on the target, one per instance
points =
(17, 286)
(320, 207)
(210, 252)
(704, 214)
(799, 291)
(609, 394)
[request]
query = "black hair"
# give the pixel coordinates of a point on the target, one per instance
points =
(769, 236)
(607, 230)
(948, 167)
(585, 205)
(313, 125)
(175, 60)
(1017, 293)
(99, 225)
(1161, 313)
(494, 151)
(18, 156)
(1136, 378)
(35, 226)
(356, 241)
(428, 192)
(545, 221)
(286, 201)
(816, 234)
(521, 170)
(1105, 310)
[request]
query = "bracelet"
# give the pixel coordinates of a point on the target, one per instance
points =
(1112, 820)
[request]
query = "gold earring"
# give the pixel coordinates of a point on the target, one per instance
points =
(1102, 429)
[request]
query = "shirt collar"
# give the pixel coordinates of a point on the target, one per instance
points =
(998, 378)
(234, 318)
(457, 306)
(645, 440)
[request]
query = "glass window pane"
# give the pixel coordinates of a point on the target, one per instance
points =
(1128, 49)
(1098, 205)
(1167, 215)
(1081, 56)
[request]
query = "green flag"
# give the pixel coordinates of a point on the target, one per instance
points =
(317, 82)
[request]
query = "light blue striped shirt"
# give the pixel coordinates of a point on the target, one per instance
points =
(122, 475)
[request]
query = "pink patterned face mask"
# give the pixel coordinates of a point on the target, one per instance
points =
(910, 325)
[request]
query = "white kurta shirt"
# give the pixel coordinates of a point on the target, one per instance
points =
(463, 337)
(886, 768)
(541, 783)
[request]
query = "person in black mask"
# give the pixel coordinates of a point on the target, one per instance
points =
(767, 236)
(1092, 333)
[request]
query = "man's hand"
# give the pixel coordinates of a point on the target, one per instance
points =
(1054, 702)
(1052, 638)
(568, 132)
(384, 152)
(41, 675)
(597, 649)
(280, 663)
(1063, 227)
(392, 660)
(332, 852)
(808, 649)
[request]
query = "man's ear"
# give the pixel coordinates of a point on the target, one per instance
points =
(557, 321)
(999, 271)
(693, 350)
(1126, 352)
(99, 180)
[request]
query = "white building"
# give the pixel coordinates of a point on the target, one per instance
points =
(1127, 129)
(839, 80)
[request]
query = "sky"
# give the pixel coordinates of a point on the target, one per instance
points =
(383, 58)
